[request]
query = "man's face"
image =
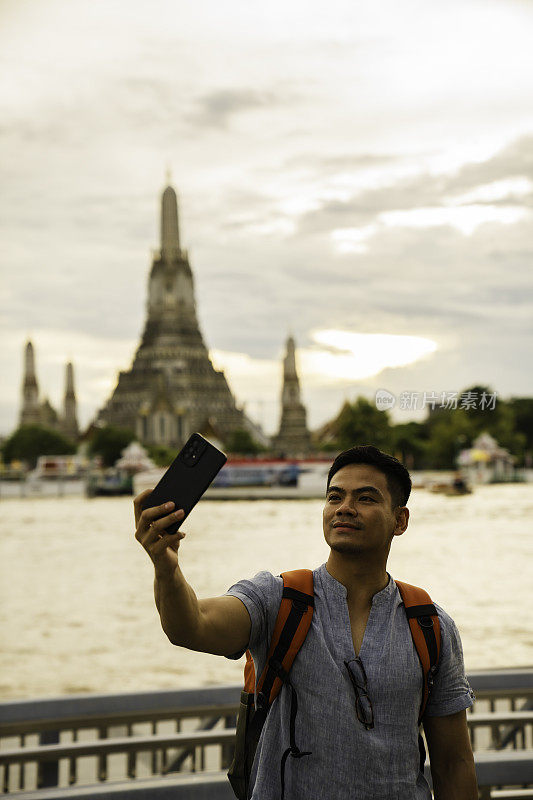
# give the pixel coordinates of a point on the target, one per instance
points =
(358, 516)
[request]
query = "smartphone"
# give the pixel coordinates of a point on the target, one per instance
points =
(188, 477)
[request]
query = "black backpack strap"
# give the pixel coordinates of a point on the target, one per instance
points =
(293, 749)
(267, 691)
(292, 624)
(425, 631)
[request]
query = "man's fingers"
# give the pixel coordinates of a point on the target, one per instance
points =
(150, 515)
(171, 540)
(138, 502)
(148, 532)
(159, 525)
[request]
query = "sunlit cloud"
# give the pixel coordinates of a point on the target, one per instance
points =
(348, 357)
(464, 218)
(242, 366)
(353, 240)
(491, 192)
(337, 357)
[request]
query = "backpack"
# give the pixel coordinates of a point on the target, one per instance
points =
(292, 624)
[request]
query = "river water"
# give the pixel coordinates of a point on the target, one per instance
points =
(77, 611)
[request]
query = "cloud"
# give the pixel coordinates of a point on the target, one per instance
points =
(320, 163)
(432, 194)
(215, 108)
(513, 161)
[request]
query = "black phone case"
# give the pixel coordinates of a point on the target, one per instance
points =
(188, 477)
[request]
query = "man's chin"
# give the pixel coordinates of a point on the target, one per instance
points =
(347, 548)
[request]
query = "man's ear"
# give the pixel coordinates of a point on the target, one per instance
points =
(402, 520)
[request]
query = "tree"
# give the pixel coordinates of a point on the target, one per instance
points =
(242, 443)
(109, 442)
(448, 432)
(451, 430)
(522, 409)
(362, 423)
(162, 456)
(29, 442)
(410, 443)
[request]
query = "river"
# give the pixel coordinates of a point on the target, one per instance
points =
(77, 612)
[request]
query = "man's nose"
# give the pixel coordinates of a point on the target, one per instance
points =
(346, 507)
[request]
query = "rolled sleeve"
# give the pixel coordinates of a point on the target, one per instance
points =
(451, 691)
(261, 597)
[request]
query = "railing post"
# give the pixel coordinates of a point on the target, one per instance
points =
(48, 773)
(102, 759)
(154, 752)
(73, 764)
(226, 755)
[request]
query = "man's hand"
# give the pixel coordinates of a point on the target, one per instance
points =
(150, 532)
(218, 625)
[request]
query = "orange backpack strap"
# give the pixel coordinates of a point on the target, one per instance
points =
(425, 630)
(292, 624)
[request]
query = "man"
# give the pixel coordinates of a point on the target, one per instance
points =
(359, 637)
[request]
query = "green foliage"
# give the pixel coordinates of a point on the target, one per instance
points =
(29, 442)
(450, 431)
(362, 423)
(410, 442)
(109, 442)
(161, 455)
(522, 409)
(241, 442)
(436, 442)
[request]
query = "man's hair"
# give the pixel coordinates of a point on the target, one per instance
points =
(398, 479)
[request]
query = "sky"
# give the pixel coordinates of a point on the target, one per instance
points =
(358, 175)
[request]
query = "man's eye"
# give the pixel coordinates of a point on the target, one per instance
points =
(366, 497)
(333, 497)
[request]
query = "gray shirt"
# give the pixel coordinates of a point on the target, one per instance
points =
(349, 762)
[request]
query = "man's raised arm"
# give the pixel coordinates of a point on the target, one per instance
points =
(218, 625)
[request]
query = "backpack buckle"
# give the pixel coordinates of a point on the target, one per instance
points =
(431, 676)
(261, 702)
(278, 670)
(425, 622)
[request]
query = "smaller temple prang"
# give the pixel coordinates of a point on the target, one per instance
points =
(30, 412)
(70, 419)
(293, 438)
(37, 412)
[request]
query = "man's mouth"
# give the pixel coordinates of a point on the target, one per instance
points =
(348, 525)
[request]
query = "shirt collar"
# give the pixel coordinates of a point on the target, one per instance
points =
(333, 585)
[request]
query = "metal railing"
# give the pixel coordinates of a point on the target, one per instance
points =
(182, 741)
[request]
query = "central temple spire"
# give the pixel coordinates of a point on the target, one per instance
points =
(172, 388)
(170, 236)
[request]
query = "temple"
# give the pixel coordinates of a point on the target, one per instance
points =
(41, 412)
(293, 438)
(172, 388)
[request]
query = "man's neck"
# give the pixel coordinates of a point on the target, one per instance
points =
(362, 579)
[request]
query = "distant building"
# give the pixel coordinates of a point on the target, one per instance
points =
(486, 461)
(172, 388)
(293, 438)
(41, 412)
